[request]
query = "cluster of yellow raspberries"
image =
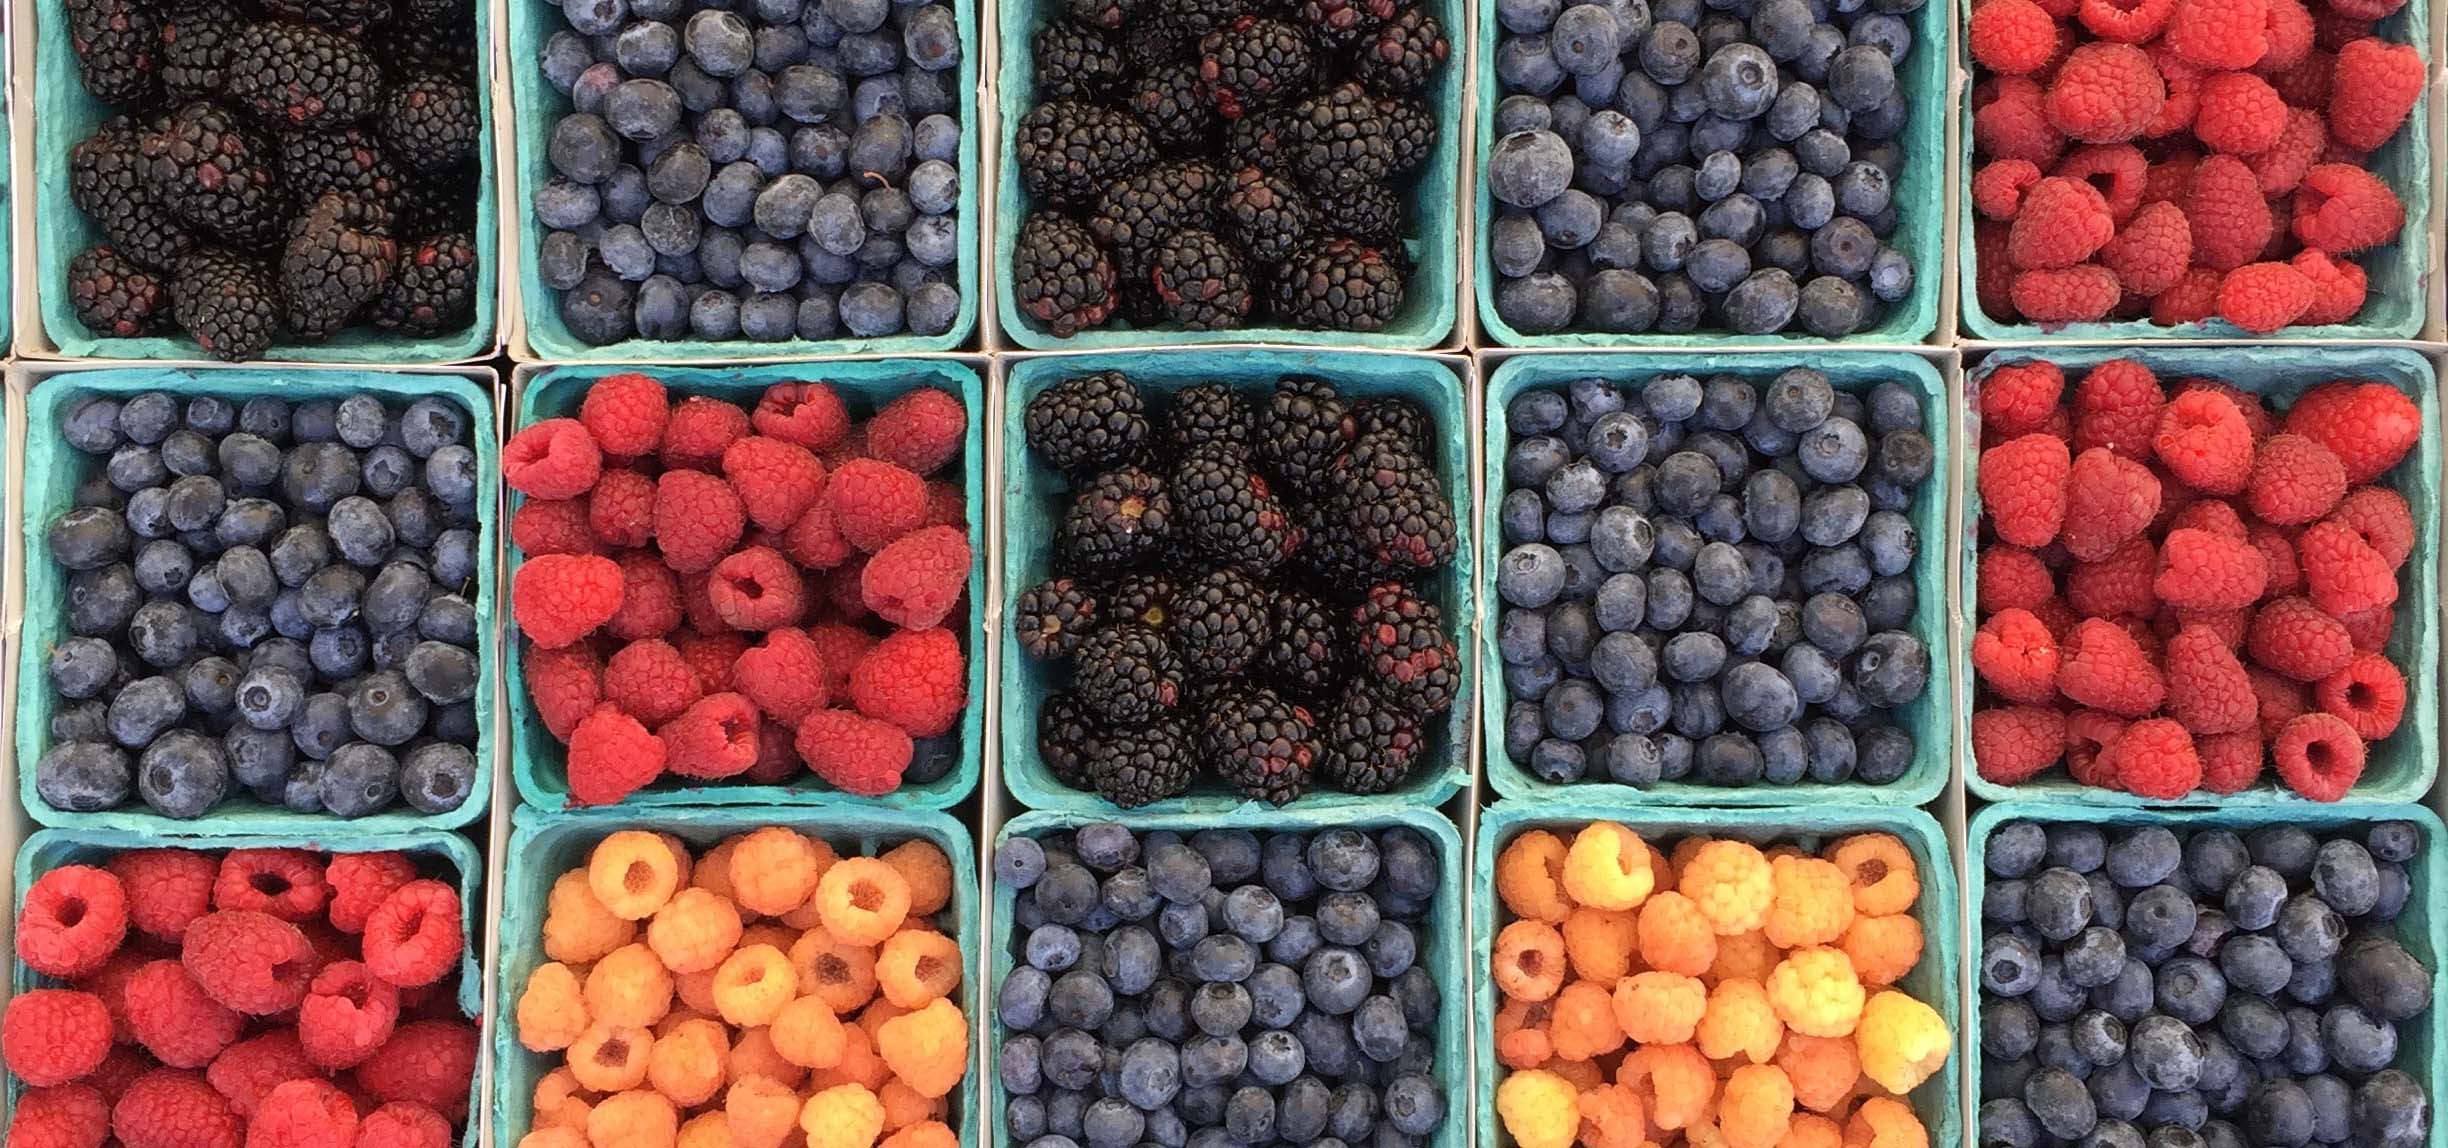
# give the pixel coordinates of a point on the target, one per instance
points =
(1720, 996)
(767, 991)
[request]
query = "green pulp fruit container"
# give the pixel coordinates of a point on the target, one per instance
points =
(2421, 928)
(1919, 197)
(2400, 767)
(1033, 504)
(52, 471)
(448, 857)
(537, 760)
(1934, 982)
(537, 106)
(1927, 718)
(1438, 951)
(1429, 218)
(544, 845)
(64, 114)
(2398, 273)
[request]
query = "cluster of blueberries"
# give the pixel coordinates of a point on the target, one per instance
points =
(1711, 580)
(266, 598)
(761, 171)
(1227, 988)
(1678, 166)
(2200, 989)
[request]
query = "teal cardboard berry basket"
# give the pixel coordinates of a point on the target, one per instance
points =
(53, 469)
(1919, 192)
(537, 759)
(1440, 951)
(64, 114)
(536, 106)
(543, 846)
(2399, 767)
(1934, 982)
(1033, 502)
(1429, 234)
(1927, 718)
(447, 857)
(2420, 928)
(2398, 273)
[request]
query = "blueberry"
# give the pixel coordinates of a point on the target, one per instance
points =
(437, 777)
(85, 776)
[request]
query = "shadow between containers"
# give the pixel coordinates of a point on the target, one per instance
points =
(544, 845)
(2400, 767)
(1927, 718)
(51, 469)
(1935, 981)
(1031, 511)
(537, 758)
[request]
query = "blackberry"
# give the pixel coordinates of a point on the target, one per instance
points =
(1068, 151)
(114, 296)
(1075, 63)
(1202, 281)
(433, 287)
(1221, 622)
(228, 302)
(1331, 557)
(1052, 616)
(1127, 674)
(107, 182)
(1254, 63)
(1261, 140)
(1227, 511)
(1410, 133)
(340, 15)
(1370, 213)
(331, 268)
(1305, 649)
(441, 200)
(1341, 24)
(1121, 518)
(216, 174)
(1266, 215)
(1060, 277)
(1141, 210)
(1067, 737)
(348, 163)
(410, 48)
(1402, 54)
(1394, 419)
(1339, 285)
(1203, 413)
(1144, 599)
(300, 77)
(1199, 17)
(1405, 653)
(1106, 14)
(1303, 427)
(1398, 510)
(1169, 99)
(1366, 746)
(195, 49)
(1338, 140)
(431, 122)
(118, 51)
(1260, 744)
(1087, 423)
(1135, 765)
(1153, 42)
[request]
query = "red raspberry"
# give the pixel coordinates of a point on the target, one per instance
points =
(2013, 744)
(286, 883)
(757, 589)
(2231, 762)
(610, 757)
(249, 1070)
(784, 675)
(713, 739)
(947, 505)
(2240, 114)
(2059, 296)
(777, 760)
(699, 431)
(2369, 694)
(2017, 398)
(54, 1036)
(2134, 22)
(2061, 223)
(2342, 209)
(875, 502)
(2214, 516)
(2296, 639)
(2263, 297)
(2229, 625)
(2307, 83)
(69, 1116)
(852, 444)
(815, 541)
(2204, 441)
(2200, 570)
(2345, 574)
(165, 1108)
(2289, 30)
(2013, 37)
(620, 510)
(415, 937)
(2105, 93)
(776, 479)
(2013, 122)
(650, 681)
(552, 526)
(2278, 557)
(2207, 688)
(917, 579)
(252, 962)
(2377, 83)
(2193, 299)
(2219, 34)
(125, 1063)
(2256, 416)
(1997, 188)
(625, 413)
(555, 458)
(2370, 630)
(2102, 667)
(857, 755)
(2334, 27)
(712, 656)
(2013, 578)
(1993, 277)
(564, 684)
(915, 679)
(697, 520)
(2016, 656)
(2117, 171)
(2184, 81)
(2294, 480)
(2282, 166)
(347, 1014)
(2117, 405)
(403, 1124)
(73, 919)
(165, 889)
(2380, 517)
(428, 1062)
(697, 603)
(556, 599)
(2338, 287)
(650, 598)
(2319, 756)
(2023, 489)
(2231, 219)
(175, 1019)
(2119, 585)
(840, 645)
(2109, 499)
(2088, 734)
(2151, 250)
(919, 431)
(2369, 426)
(2153, 758)
(109, 985)
(809, 414)
(304, 1114)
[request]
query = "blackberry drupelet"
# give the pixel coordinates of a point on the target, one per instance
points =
(339, 15)
(1052, 616)
(216, 174)
(1340, 285)
(1402, 54)
(1075, 63)
(1410, 133)
(1127, 674)
(1067, 736)
(1266, 215)
(1068, 151)
(1060, 276)
(1406, 655)
(431, 122)
(1141, 210)
(1121, 518)
(1228, 512)
(1259, 743)
(195, 49)
(228, 302)
(1145, 599)
(1306, 644)
(1135, 765)
(331, 268)
(1338, 140)
(118, 50)
(300, 77)
(1370, 213)
(1254, 63)
(1202, 281)
(1221, 622)
(1304, 425)
(1173, 104)
(1366, 746)
(114, 296)
(433, 287)
(1398, 510)
(1087, 423)
(1341, 24)
(107, 182)
(348, 163)
(1203, 413)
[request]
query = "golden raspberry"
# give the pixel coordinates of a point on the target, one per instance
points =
(560, 1101)
(861, 900)
(1730, 882)
(578, 930)
(688, 1062)
(917, 966)
(761, 1110)
(1521, 1033)
(1608, 868)
(554, 1137)
(753, 984)
(712, 872)
(807, 1033)
(629, 988)
(706, 1130)
(1747, 956)
(1530, 877)
(1539, 1108)
(1823, 1069)
(843, 975)
(1529, 960)
(1602, 943)
(1659, 1008)
(680, 857)
(1676, 1083)
(633, 872)
(1740, 1021)
(1884, 1123)
(875, 1014)
(928, 1048)
(696, 991)
(552, 1009)
(1813, 902)
(1902, 1041)
(693, 931)
(606, 1058)
(1883, 948)
(770, 932)
(923, 1134)
(859, 1063)
(927, 872)
(1583, 1025)
(843, 1116)
(806, 915)
(1756, 1106)
(1811, 1130)
(1881, 871)
(772, 871)
(633, 1119)
(1816, 992)
(1612, 1116)
(905, 1106)
(1674, 937)
(679, 1015)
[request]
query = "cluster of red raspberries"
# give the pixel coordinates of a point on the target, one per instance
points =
(2177, 583)
(2183, 159)
(261, 997)
(713, 592)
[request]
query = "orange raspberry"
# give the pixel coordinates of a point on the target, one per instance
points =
(1756, 1106)
(843, 976)
(1816, 991)
(633, 1119)
(1675, 1081)
(561, 1102)
(1884, 1123)
(1883, 949)
(1674, 936)
(918, 966)
(861, 900)
(753, 984)
(928, 1048)
(555, 1137)
(905, 1107)
(1602, 943)
(632, 873)
(1608, 868)
(807, 1033)
(770, 932)
(629, 988)
(712, 872)
(753, 1054)
(608, 1058)
(693, 931)
(552, 1009)
(808, 914)
(1744, 956)
(761, 1111)
(1658, 1008)
(688, 1061)
(859, 1063)
(1540, 1109)
(1903, 1041)
(695, 991)
(1529, 960)
(578, 928)
(1730, 882)
(772, 871)
(706, 1130)
(1530, 877)
(1612, 1116)
(875, 1014)
(1813, 902)
(924, 1134)
(1885, 879)
(1521, 1033)
(843, 1116)
(926, 871)
(1823, 1070)
(1741, 1020)
(1810, 1130)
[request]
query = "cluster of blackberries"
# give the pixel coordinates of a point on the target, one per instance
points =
(277, 171)
(270, 598)
(1230, 988)
(1680, 166)
(2201, 988)
(768, 171)
(1233, 586)
(1214, 164)
(1712, 580)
